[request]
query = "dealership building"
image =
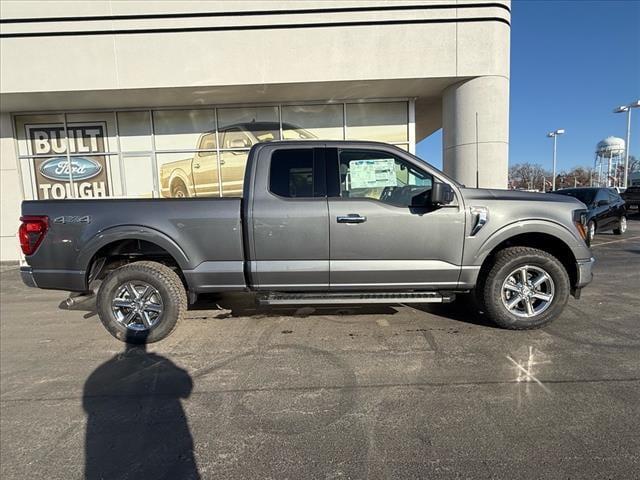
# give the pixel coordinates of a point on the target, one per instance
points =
(164, 99)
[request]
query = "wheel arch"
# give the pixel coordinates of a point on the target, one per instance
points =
(179, 175)
(126, 244)
(544, 241)
(177, 180)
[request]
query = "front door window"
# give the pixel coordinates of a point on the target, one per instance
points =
(382, 176)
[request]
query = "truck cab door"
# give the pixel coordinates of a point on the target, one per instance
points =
(602, 208)
(204, 167)
(384, 234)
(288, 220)
(235, 144)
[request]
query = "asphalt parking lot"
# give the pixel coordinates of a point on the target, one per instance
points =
(376, 392)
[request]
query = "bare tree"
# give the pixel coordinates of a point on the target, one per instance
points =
(576, 177)
(528, 176)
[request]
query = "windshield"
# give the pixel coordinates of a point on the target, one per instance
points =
(293, 133)
(585, 195)
(268, 133)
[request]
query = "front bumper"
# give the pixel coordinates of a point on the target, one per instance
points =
(27, 277)
(585, 273)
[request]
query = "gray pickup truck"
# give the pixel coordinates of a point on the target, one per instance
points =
(319, 222)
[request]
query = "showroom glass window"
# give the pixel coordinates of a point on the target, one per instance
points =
(70, 155)
(181, 152)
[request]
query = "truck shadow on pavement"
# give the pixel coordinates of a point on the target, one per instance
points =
(231, 305)
(235, 305)
(461, 310)
(136, 426)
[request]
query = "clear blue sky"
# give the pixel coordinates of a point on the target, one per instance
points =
(572, 62)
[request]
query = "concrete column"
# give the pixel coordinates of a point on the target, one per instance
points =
(482, 145)
(10, 193)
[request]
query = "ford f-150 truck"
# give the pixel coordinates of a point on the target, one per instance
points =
(319, 222)
(631, 196)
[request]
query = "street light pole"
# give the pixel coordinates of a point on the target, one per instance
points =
(626, 150)
(627, 109)
(555, 143)
(554, 135)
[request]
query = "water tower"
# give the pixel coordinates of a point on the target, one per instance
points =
(609, 164)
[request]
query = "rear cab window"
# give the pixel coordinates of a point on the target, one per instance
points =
(297, 173)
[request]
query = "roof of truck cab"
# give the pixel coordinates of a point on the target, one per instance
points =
(319, 141)
(351, 143)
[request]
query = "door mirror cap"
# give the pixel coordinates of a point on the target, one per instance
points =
(441, 194)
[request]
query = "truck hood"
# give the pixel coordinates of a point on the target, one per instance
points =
(476, 194)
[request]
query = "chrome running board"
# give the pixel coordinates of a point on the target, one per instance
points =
(316, 298)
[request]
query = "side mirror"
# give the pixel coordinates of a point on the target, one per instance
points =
(240, 143)
(602, 203)
(441, 194)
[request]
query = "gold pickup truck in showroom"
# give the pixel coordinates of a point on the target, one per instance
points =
(201, 176)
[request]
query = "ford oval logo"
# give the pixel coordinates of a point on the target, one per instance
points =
(81, 168)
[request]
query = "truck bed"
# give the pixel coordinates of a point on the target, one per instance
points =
(204, 236)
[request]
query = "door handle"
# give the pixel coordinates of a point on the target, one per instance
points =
(351, 218)
(196, 165)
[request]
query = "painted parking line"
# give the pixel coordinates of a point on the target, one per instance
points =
(615, 241)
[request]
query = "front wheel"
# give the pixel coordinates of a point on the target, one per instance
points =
(591, 231)
(622, 226)
(141, 302)
(525, 288)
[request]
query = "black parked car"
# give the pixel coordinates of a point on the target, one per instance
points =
(631, 196)
(606, 209)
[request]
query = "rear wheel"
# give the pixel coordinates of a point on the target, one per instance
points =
(141, 302)
(179, 190)
(622, 226)
(525, 288)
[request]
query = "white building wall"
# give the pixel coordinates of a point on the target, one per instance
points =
(448, 59)
(340, 51)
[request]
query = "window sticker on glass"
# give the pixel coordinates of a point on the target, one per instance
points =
(372, 173)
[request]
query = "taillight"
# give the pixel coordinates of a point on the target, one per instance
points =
(31, 232)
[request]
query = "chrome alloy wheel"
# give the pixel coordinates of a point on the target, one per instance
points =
(137, 305)
(623, 224)
(527, 291)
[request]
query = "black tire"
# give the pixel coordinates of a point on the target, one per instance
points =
(622, 226)
(591, 231)
(179, 190)
(168, 286)
(506, 262)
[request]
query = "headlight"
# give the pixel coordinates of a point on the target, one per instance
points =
(580, 221)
